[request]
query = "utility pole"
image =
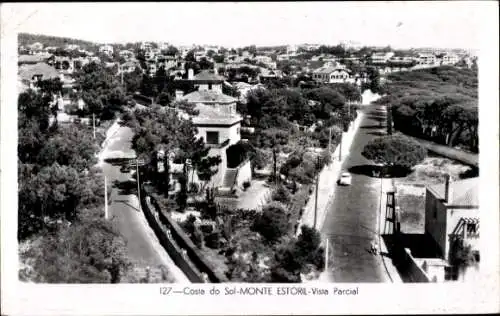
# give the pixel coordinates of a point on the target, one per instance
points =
(93, 123)
(316, 197)
(105, 198)
(326, 255)
(329, 140)
(349, 111)
(138, 181)
(340, 146)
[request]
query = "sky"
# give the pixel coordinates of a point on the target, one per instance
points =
(232, 24)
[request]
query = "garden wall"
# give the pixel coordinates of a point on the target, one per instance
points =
(178, 245)
(412, 270)
(244, 173)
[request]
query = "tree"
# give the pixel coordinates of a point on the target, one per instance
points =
(171, 51)
(281, 194)
(397, 152)
(133, 80)
(69, 146)
(273, 222)
(274, 139)
(389, 121)
(218, 58)
(329, 101)
(164, 99)
(308, 242)
(101, 90)
(91, 251)
(461, 255)
(374, 77)
(35, 106)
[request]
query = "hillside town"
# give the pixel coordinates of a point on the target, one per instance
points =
(214, 164)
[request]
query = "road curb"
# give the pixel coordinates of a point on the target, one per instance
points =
(332, 172)
(390, 269)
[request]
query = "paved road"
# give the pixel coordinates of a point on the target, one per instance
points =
(142, 244)
(351, 222)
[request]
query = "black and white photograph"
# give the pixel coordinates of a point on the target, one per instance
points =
(320, 146)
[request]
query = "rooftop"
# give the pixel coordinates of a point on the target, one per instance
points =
(212, 115)
(33, 58)
(464, 192)
(208, 96)
(27, 72)
(328, 70)
(208, 76)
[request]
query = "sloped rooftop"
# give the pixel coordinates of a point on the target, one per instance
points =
(463, 192)
(208, 76)
(26, 72)
(33, 58)
(208, 96)
(214, 116)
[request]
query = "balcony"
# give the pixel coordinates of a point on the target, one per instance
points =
(218, 145)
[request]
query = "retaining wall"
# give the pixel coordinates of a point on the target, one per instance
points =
(178, 245)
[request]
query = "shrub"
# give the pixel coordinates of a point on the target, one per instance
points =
(197, 237)
(308, 240)
(281, 194)
(394, 152)
(194, 187)
(273, 222)
(212, 240)
(246, 184)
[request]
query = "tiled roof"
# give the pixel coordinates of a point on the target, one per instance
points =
(328, 70)
(214, 115)
(208, 76)
(27, 72)
(242, 85)
(464, 192)
(208, 96)
(33, 58)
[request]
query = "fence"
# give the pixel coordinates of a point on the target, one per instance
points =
(143, 100)
(178, 245)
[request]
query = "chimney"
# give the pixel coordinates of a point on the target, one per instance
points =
(447, 189)
(190, 74)
(178, 95)
(215, 70)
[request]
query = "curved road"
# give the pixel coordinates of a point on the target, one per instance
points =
(143, 246)
(351, 222)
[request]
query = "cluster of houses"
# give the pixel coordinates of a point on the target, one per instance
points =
(451, 210)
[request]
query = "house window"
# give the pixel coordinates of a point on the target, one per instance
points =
(213, 138)
(451, 273)
(209, 86)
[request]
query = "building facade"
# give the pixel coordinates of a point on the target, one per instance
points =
(451, 212)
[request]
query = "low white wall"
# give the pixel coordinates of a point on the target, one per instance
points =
(244, 174)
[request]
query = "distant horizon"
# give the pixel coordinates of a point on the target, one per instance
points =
(401, 25)
(258, 46)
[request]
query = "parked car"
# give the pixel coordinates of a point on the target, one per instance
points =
(345, 179)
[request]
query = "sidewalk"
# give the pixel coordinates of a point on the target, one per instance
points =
(112, 130)
(328, 179)
(391, 270)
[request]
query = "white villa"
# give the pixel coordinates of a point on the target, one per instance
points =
(219, 125)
